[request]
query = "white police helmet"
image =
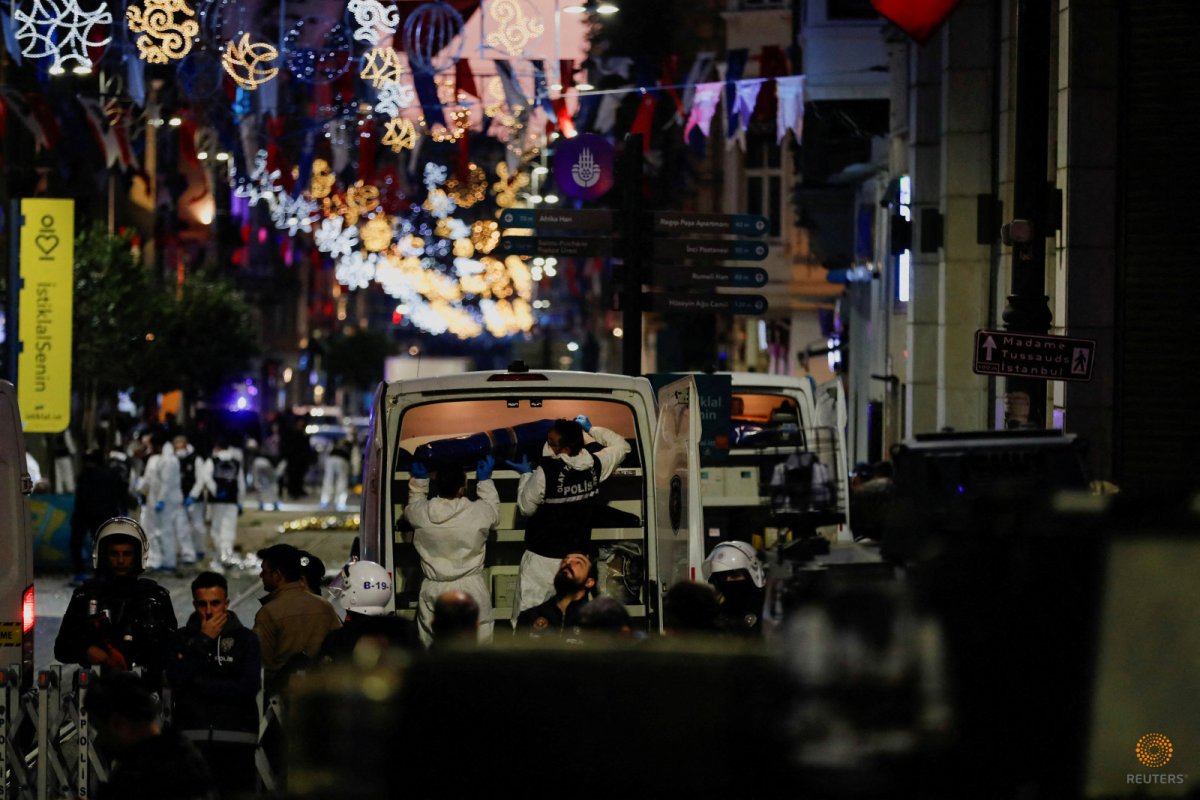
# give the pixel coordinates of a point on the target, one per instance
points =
(121, 526)
(363, 587)
(730, 556)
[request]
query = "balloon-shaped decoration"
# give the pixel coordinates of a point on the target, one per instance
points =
(429, 37)
(250, 64)
(321, 61)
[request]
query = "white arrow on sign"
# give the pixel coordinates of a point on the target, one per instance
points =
(989, 344)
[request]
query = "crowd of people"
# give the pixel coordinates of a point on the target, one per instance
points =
(205, 740)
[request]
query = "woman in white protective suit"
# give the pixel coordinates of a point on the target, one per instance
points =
(451, 532)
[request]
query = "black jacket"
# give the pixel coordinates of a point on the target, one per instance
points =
(164, 767)
(548, 620)
(131, 615)
(214, 682)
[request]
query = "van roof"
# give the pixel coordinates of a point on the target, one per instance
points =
(512, 381)
(761, 379)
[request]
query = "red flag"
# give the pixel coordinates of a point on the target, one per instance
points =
(774, 64)
(566, 73)
(463, 79)
(670, 76)
(565, 123)
(643, 122)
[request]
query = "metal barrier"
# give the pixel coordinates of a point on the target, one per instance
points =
(46, 745)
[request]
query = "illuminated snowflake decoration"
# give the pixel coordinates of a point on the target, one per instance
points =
(375, 20)
(61, 30)
(435, 175)
(394, 96)
(293, 214)
(336, 238)
(263, 184)
(356, 270)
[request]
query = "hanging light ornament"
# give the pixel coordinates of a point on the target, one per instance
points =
(164, 35)
(514, 30)
(243, 61)
(393, 97)
(507, 186)
(63, 31)
(428, 34)
(375, 20)
(376, 234)
(318, 64)
(381, 65)
(470, 191)
(400, 134)
(322, 180)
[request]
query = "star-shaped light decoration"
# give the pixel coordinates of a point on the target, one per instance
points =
(356, 270)
(244, 60)
(61, 30)
(293, 214)
(165, 36)
(400, 134)
(336, 238)
(375, 20)
(263, 184)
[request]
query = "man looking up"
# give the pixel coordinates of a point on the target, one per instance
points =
(573, 584)
(560, 499)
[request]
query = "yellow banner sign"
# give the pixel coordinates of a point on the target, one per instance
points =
(10, 634)
(47, 299)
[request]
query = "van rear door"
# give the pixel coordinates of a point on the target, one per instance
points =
(679, 516)
(16, 542)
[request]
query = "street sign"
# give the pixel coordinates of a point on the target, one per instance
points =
(710, 249)
(556, 246)
(711, 224)
(709, 303)
(584, 166)
(569, 219)
(739, 277)
(1030, 355)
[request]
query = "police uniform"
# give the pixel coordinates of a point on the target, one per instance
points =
(560, 499)
(548, 619)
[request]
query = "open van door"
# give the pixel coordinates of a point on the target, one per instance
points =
(830, 401)
(371, 541)
(678, 514)
(16, 542)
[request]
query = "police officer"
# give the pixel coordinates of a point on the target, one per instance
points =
(117, 620)
(735, 571)
(222, 479)
(214, 665)
(560, 498)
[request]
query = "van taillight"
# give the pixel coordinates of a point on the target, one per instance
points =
(27, 615)
(516, 376)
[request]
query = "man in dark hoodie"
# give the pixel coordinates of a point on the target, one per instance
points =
(214, 666)
(118, 620)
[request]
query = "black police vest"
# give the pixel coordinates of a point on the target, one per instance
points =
(563, 522)
(187, 472)
(225, 476)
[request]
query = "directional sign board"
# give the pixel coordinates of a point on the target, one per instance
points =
(739, 277)
(710, 249)
(710, 224)
(550, 220)
(1030, 355)
(708, 303)
(555, 246)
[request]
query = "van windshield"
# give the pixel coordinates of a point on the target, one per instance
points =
(759, 418)
(466, 430)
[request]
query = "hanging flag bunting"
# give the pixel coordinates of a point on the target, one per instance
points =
(606, 115)
(735, 65)
(541, 92)
(10, 39)
(565, 124)
(746, 95)
(644, 119)
(704, 106)
(790, 91)
(566, 73)
(696, 75)
(772, 65)
(16, 104)
(101, 131)
(670, 74)
(463, 79)
(135, 79)
(513, 94)
(427, 94)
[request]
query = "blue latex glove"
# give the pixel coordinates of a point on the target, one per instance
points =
(418, 470)
(521, 466)
(189, 501)
(483, 470)
(584, 423)
(160, 506)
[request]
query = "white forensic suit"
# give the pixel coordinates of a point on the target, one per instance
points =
(335, 488)
(553, 516)
(224, 483)
(450, 536)
(171, 536)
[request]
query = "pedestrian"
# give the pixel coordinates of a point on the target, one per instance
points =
(736, 573)
(559, 499)
(214, 667)
(266, 470)
(148, 763)
(573, 585)
(298, 453)
(450, 533)
(364, 589)
(62, 448)
(221, 480)
(314, 572)
(690, 607)
(117, 620)
(193, 498)
(455, 620)
(335, 488)
(293, 622)
(100, 495)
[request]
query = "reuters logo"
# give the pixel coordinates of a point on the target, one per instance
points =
(1154, 750)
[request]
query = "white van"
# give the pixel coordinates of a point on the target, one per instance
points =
(504, 413)
(16, 542)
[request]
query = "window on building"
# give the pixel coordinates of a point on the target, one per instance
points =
(764, 178)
